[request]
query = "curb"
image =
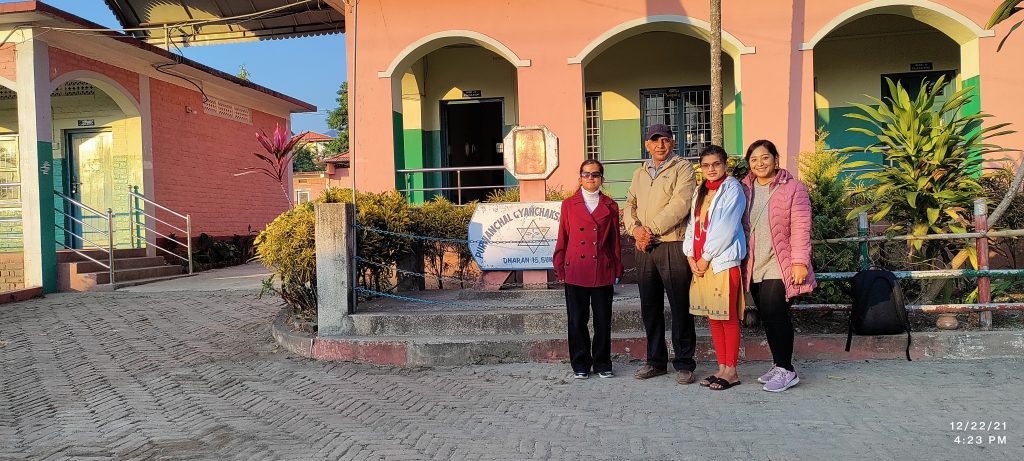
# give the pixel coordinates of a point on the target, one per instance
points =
(295, 342)
(442, 350)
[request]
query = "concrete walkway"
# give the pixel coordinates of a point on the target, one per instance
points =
(246, 277)
(180, 371)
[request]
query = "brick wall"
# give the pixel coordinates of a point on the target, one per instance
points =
(12, 271)
(62, 62)
(196, 156)
(8, 63)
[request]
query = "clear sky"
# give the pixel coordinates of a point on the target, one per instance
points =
(310, 69)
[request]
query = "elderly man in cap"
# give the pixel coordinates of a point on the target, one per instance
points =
(657, 208)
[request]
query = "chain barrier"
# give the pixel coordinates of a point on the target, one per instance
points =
(472, 282)
(449, 240)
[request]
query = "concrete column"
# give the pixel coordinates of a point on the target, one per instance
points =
(35, 132)
(335, 267)
(148, 183)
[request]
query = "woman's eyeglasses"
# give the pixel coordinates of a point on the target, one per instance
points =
(592, 174)
(711, 166)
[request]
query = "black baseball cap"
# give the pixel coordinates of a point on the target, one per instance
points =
(658, 130)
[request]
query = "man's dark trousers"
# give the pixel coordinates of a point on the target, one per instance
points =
(665, 269)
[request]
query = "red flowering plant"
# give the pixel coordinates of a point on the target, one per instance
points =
(280, 148)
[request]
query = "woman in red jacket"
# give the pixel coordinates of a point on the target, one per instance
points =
(587, 259)
(778, 256)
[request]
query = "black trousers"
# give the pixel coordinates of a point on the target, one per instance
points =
(770, 298)
(665, 270)
(578, 302)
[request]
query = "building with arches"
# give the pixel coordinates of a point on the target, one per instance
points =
(436, 84)
(87, 116)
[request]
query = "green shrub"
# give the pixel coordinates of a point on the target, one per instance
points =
(443, 219)
(287, 245)
(822, 172)
(512, 195)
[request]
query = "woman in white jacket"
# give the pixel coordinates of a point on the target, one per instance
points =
(715, 246)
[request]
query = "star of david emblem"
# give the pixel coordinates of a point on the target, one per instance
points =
(534, 236)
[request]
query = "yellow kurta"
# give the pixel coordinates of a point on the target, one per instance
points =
(709, 295)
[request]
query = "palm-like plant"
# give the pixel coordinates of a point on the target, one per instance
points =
(1003, 12)
(934, 156)
(280, 148)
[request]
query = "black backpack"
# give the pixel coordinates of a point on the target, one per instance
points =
(878, 306)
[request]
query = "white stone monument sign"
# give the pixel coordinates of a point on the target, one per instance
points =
(514, 236)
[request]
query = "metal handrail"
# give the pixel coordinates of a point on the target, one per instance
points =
(458, 178)
(79, 221)
(79, 204)
(108, 216)
(134, 211)
(452, 169)
(161, 221)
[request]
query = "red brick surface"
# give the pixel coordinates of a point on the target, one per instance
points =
(196, 157)
(8, 67)
(62, 62)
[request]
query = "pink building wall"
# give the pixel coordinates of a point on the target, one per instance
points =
(777, 80)
(8, 64)
(62, 62)
(196, 156)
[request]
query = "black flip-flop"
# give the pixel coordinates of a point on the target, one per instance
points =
(709, 379)
(723, 384)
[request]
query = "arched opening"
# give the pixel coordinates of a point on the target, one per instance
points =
(12, 249)
(913, 43)
(452, 107)
(650, 74)
(97, 159)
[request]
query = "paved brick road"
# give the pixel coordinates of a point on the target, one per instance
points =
(194, 375)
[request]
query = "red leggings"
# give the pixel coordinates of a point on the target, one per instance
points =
(725, 334)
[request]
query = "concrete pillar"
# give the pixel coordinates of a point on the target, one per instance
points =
(146, 114)
(35, 132)
(335, 267)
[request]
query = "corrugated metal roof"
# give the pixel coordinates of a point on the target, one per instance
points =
(201, 22)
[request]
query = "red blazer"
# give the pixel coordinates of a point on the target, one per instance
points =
(587, 250)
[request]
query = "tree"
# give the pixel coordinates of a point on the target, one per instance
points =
(1003, 12)
(304, 160)
(717, 136)
(337, 120)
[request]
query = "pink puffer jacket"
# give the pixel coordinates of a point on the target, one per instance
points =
(789, 217)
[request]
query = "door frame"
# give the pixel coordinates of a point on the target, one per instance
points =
(443, 105)
(70, 164)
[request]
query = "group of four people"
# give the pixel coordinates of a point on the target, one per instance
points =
(702, 245)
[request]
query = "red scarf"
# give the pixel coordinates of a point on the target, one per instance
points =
(699, 230)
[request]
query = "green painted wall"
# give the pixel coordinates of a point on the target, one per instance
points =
(413, 152)
(48, 244)
(399, 143)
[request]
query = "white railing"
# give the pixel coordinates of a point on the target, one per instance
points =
(76, 211)
(138, 228)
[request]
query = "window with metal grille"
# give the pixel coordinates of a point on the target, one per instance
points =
(593, 116)
(687, 110)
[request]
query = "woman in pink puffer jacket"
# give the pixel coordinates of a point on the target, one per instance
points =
(778, 267)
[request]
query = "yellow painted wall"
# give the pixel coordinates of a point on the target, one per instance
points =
(652, 60)
(449, 71)
(846, 69)
(9, 116)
